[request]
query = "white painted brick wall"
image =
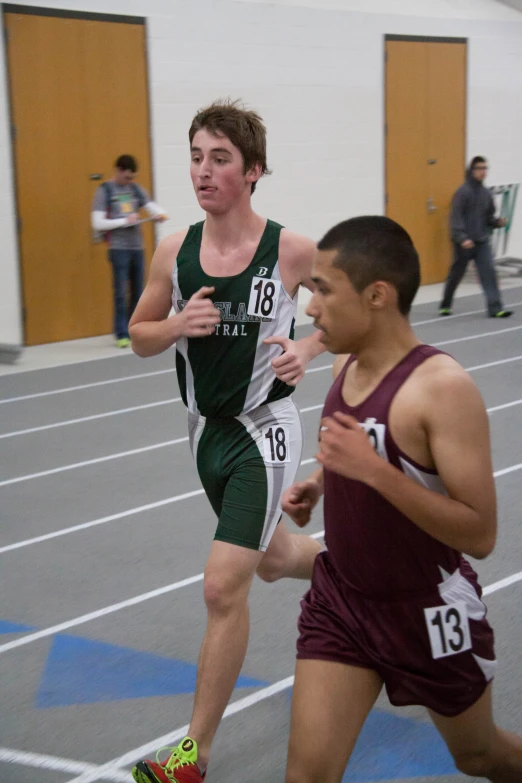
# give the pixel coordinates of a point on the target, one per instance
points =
(452, 9)
(314, 69)
(10, 292)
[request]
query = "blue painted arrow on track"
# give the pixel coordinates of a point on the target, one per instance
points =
(84, 671)
(6, 626)
(391, 747)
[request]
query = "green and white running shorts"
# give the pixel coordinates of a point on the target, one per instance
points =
(245, 463)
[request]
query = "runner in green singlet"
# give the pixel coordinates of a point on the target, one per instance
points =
(233, 281)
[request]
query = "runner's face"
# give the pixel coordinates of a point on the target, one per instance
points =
(336, 307)
(124, 176)
(217, 172)
(480, 171)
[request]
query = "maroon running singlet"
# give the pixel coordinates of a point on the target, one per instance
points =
(386, 595)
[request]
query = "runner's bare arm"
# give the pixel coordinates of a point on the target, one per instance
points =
(297, 500)
(151, 328)
(457, 430)
(296, 255)
(301, 253)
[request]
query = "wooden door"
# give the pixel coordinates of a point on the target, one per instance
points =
(447, 147)
(425, 143)
(117, 123)
(78, 100)
(406, 140)
(47, 113)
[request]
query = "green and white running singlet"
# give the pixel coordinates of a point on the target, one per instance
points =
(229, 372)
(245, 432)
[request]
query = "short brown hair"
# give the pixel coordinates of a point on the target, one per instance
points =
(243, 127)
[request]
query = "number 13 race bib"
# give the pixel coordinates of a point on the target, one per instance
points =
(264, 296)
(448, 629)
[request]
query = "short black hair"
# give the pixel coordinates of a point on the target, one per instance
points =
(127, 163)
(371, 248)
(475, 160)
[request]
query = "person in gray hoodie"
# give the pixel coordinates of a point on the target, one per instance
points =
(472, 217)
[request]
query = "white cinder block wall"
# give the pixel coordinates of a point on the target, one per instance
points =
(315, 71)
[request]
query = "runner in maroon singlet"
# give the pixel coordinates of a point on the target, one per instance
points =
(408, 487)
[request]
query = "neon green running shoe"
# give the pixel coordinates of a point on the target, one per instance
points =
(445, 311)
(180, 767)
(123, 342)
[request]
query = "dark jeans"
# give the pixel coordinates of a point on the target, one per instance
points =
(483, 258)
(127, 268)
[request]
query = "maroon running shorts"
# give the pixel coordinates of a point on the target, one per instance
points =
(396, 639)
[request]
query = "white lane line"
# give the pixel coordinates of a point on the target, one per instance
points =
(504, 406)
(505, 471)
(66, 389)
(468, 369)
(33, 637)
(105, 415)
(69, 767)
(509, 580)
(102, 521)
(493, 364)
(477, 336)
(119, 411)
(175, 736)
(85, 386)
(440, 319)
(174, 499)
(111, 518)
(95, 461)
(109, 457)
(319, 369)
(143, 449)
(85, 618)
(311, 408)
(237, 706)
(169, 370)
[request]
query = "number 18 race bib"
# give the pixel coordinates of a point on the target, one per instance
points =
(276, 444)
(264, 296)
(448, 629)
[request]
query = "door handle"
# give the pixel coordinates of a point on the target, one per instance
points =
(431, 205)
(95, 176)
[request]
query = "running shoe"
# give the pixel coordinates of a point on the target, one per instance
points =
(180, 767)
(444, 311)
(501, 314)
